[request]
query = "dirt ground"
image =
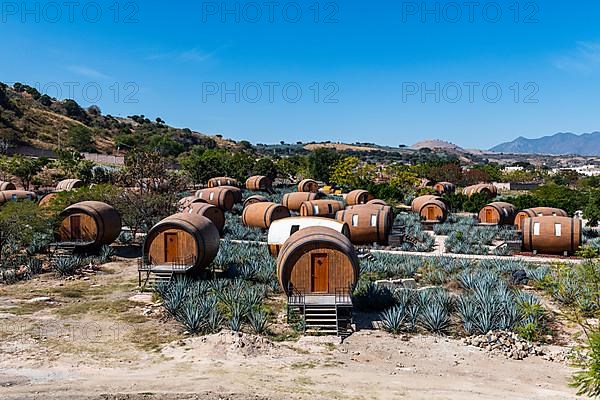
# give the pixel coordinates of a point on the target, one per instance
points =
(87, 339)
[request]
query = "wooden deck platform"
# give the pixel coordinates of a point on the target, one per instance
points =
(320, 300)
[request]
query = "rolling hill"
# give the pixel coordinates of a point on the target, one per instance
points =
(30, 118)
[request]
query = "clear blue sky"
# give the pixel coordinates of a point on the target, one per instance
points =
(361, 67)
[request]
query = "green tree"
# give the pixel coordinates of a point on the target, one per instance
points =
(239, 165)
(25, 168)
(320, 162)
(19, 220)
(200, 164)
(293, 166)
(343, 172)
(265, 167)
(567, 177)
(592, 209)
(80, 138)
(165, 145)
(74, 110)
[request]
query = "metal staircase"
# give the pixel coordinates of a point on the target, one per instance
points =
(322, 314)
(61, 250)
(150, 275)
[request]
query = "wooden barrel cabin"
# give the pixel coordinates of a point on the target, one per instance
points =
(47, 199)
(432, 209)
(7, 186)
(317, 261)
(262, 215)
(552, 235)
(222, 181)
(238, 195)
(89, 225)
(185, 242)
(282, 229)
(308, 185)
(212, 212)
(221, 197)
(259, 183)
(321, 208)
(538, 212)
(444, 188)
(489, 190)
(418, 202)
(189, 200)
(367, 224)
(377, 202)
(293, 201)
(498, 213)
(356, 197)
(255, 199)
(16, 195)
(69, 184)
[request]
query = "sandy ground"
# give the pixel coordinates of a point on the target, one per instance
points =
(89, 341)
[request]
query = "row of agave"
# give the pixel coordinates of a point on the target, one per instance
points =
(441, 270)
(17, 265)
(208, 306)
(486, 304)
(236, 230)
(67, 266)
(576, 286)
(247, 261)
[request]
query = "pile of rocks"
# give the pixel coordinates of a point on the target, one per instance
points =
(512, 346)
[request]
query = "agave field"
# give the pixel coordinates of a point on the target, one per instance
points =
(454, 296)
(466, 237)
(234, 298)
(236, 230)
(415, 238)
(457, 296)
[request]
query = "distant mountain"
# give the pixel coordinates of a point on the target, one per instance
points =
(587, 144)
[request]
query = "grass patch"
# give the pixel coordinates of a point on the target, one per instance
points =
(26, 308)
(303, 380)
(151, 338)
(106, 307)
(304, 365)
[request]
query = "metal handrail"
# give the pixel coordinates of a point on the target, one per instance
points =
(295, 295)
(144, 265)
(181, 264)
(343, 296)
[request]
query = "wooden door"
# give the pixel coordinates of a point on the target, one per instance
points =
(430, 214)
(319, 273)
(171, 244)
(489, 217)
(75, 227)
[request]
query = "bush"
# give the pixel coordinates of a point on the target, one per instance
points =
(587, 381)
(80, 138)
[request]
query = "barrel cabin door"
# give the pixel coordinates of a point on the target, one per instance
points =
(171, 247)
(75, 222)
(319, 273)
(489, 217)
(430, 213)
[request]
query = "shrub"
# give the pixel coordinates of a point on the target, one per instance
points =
(393, 318)
(258, 321)
(371, 297)
(587, 381)
(67, 266)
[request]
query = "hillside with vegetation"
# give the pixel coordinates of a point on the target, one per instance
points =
(30, 118)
